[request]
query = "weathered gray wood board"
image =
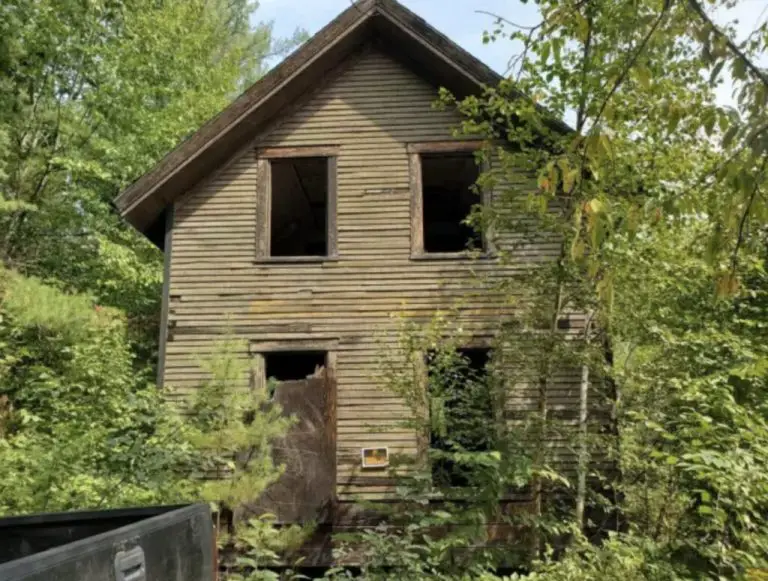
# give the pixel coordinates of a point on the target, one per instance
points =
(305, 492)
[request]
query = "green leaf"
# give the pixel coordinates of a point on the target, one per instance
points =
(545, 51)
(605, 143)
(708, 121)
(729, 135)
(739, 69)
(643, 76)
(673, 120)
(582, 26)
(569, 179)
(595, 206)
(716, 71)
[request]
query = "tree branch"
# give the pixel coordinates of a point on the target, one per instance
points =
(631, 61)
(744, 215)
(581, 113)
(505, 21)
(752, 67)
(522, 57)
(714, 171)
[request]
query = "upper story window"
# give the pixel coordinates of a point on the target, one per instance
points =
(447, 199)
(443, 177)
(299, 221)
(297, 204)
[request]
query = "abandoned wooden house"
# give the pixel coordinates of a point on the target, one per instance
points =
(322, 200)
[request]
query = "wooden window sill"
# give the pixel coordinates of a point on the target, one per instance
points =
(295, 260)
(438, 256)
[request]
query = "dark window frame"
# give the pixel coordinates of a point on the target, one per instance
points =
(265, 158)
(259, 351)
(415, 153)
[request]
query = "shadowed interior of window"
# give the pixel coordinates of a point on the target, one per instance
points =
(447, 181)
(293, 365)
(299, 207)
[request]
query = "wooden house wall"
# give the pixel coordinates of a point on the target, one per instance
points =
(370, 110)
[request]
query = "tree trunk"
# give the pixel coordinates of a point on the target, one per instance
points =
(581, 488)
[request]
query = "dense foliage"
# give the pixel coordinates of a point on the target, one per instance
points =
(92, 94)
(76, 428)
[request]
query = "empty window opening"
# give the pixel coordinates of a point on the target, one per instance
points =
(293, 365)
(299, 207)
(447, 199)
(477, 359)
(465, 422)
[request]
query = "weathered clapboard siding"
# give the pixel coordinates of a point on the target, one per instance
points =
(371, 112)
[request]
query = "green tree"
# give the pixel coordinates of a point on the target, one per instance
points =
(660, 245)
(92, 95)
(232, 428)
(77, 429)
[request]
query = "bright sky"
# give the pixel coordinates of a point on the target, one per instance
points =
(458, 19)
(462, 21)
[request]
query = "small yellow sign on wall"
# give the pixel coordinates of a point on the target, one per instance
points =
(375, 457)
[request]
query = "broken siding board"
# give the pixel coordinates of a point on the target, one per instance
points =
(367, 117)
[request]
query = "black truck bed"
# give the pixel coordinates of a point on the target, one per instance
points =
(147, 544)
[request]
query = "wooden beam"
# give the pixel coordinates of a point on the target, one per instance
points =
(488, 234)
(328, 345)
(270, 260)
(444, 146)
(417, 206)
(263, 208)
(289, 152)
(167, 252)
(332, 249)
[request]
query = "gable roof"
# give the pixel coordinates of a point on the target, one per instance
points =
(385, 23)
